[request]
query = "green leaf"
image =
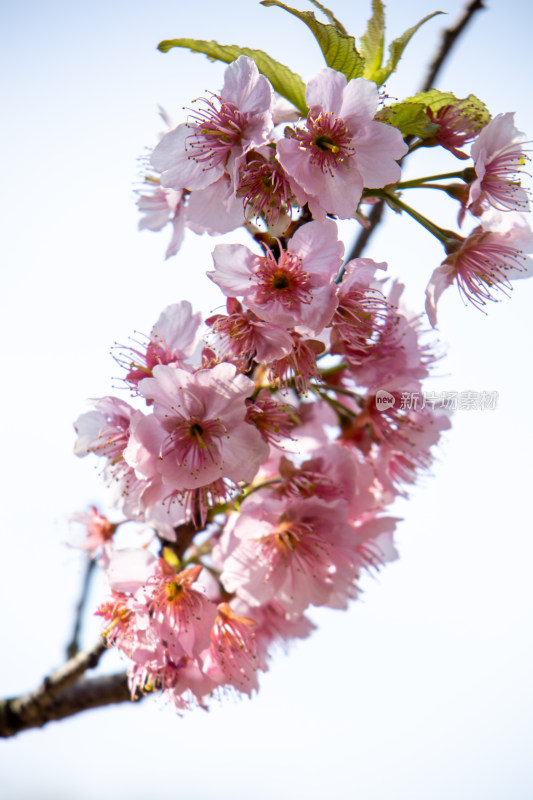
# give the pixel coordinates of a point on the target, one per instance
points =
(338, 48)
(372, 42)
(410, 118)
(470, 106)
(285, 82)
(433, 99)
(332, 18)
(396, 49)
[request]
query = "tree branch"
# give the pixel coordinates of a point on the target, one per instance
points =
(449, 39)
(63, 694)
(73, 646)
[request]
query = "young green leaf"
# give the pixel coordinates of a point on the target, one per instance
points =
(396, 49)
(339, 49)
(332, 18)
(471, 105)
(411, 119)
(372, 42)
(433, 99)
(285, 82)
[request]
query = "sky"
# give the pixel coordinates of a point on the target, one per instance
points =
(423, 688)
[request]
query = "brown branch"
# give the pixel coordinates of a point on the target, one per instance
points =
(448, 41)
(449, 38)
(62, 694)
(73, 646)
(81, 696)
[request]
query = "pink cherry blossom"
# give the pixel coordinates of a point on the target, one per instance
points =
(242, 338)
(185, 684)
(300, 367)
(299, 552)
(332, 472)
(173, 607)
(485, 262)
(273, 420)
(363, 316)
(215, 209)
(400, 461)
(232, 656)
(173, 340)
(98, 529)
(341, 149)
(118, 618)
(161, 207)
(130, 568)
(196, 154)
(294, 289)
(198, 431)
(498, 155)
(276, 626)
(458, 123)
(108, 431)
(382, 344)
(104, 430)
(265, 188)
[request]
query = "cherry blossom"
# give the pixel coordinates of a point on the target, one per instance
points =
(341, 149)
(160, 207)
(299, 552)
(294, 289)
(173, 340)
(198, 153)
(498, 155)
(458, 123)
(232, 656)
(198, 430)
(485, 262)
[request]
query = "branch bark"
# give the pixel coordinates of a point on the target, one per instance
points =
(63, 693)
(448, 41)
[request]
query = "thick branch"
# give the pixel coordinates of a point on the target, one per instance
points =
(16, 715)
(62, 694)
(449, 39)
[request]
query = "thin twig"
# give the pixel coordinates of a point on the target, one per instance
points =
(74, 645)
(449, 38)
(448, 41)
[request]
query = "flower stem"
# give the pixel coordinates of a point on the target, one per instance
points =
(442, 176)
(442, 235)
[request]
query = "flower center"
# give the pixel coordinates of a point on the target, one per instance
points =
(283, 280)
(326, 139)
(194, 443)
(264, 188)
(174, 591)
(215, 131)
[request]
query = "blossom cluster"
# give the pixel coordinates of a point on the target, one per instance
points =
(228, 164)
(254, 447)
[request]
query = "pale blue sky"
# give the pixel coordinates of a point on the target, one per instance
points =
(422, 690)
